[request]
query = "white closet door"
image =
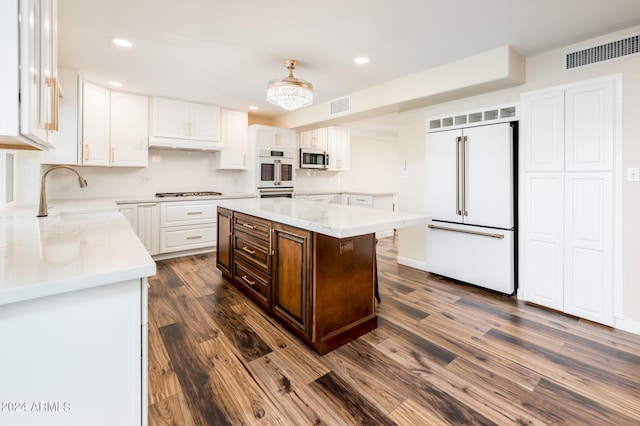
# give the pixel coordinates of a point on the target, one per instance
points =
(542, 132)
(589, 246)
(589, 127)
(542, 239)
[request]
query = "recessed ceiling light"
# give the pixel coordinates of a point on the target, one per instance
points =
(253, 107)
(121, 42)
(361, 60)
(115, 83)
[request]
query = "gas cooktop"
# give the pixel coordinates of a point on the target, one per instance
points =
(187, 194)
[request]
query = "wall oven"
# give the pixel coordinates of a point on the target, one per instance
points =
(275, 172)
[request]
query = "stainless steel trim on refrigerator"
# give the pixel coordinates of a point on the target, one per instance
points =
(466, 231)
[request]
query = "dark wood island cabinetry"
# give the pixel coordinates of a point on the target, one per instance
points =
(309, 265)
(319, 287)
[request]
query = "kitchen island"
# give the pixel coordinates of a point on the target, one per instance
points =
(73, 316)
(310, 266)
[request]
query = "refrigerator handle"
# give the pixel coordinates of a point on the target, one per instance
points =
(458, 211)
(464, 176)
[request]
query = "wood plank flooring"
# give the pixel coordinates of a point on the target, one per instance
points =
(443, 354)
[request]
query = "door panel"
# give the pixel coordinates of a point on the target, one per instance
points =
(542, 236)
(542, 132)
(488, 184)
(441, 175)
(589, 246)
(590, 127)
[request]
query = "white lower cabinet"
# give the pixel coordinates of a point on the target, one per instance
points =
(542, 236)
(144, 218)
(70, 356)
(170, 227)
(588, 245)
(567, 243)
(187, 225)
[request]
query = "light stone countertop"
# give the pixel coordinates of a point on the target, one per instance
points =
(334, 220)
(81, 244)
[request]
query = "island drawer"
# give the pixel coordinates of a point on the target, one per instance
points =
(255, 226)
(252, 279)
(254, 251)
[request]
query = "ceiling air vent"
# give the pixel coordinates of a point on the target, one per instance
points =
(602, 53)
(340, 106)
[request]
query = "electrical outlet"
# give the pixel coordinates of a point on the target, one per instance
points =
(405, 174)
(633, 174)
(144, 179)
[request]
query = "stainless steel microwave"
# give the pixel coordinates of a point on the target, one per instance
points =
(313, 159)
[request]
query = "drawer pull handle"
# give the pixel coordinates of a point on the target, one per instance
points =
(194, 212)
(195, 237)
(248, 250)
(246, 225)
(248, 281)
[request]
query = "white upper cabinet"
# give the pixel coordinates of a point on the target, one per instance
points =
(568, 129)
(29, 87)
(184, 125)
(542, 131)
(233, 133)
(95, 126)
(129, 130)
(272, 137)
(114, 128)
(314, 139)
(338, 139)
(589, 127)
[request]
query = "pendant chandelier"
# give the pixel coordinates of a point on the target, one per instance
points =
(290, 93)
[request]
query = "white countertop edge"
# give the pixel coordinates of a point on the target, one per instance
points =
(392, 220)
(52, 288)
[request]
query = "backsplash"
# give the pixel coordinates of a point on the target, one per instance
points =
(168, 171)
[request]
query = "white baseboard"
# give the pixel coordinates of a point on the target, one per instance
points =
(631, 326)
(412, 263)
(171, 255)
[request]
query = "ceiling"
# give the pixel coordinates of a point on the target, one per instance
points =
(225, 52)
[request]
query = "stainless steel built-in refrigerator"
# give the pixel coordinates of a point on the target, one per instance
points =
(471, 200)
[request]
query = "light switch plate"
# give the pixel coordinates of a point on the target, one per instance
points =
(633, 174)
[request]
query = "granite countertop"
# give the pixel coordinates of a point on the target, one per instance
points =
(81, 244)
(334, 220)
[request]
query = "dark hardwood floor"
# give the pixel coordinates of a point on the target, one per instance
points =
(443, 353)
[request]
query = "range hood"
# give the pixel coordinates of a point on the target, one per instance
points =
(184, 144)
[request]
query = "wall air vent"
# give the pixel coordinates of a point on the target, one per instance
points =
(340, 106)
(602, 53)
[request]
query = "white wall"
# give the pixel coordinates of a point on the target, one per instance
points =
(374, 165)
(544, 70)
